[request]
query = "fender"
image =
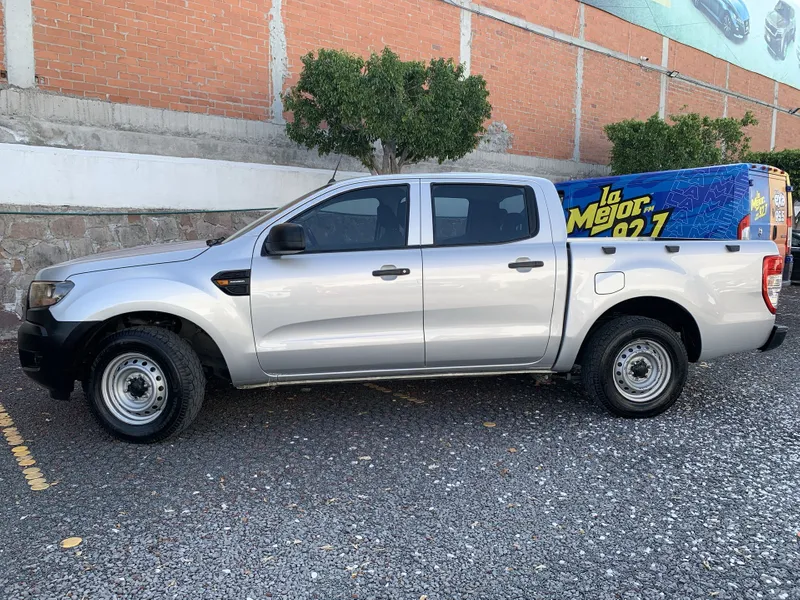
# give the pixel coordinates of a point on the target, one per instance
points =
(103, 295)
(723, 297)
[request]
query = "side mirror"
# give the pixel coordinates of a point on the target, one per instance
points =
(286, 238)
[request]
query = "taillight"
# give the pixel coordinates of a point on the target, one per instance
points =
(744, 228)
(772, 281)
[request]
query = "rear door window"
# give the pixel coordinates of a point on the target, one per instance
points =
(473, 214)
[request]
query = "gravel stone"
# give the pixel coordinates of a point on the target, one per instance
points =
(269, 493)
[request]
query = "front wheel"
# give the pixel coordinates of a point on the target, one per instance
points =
(635, 366)
(145, 385)
(727, 26)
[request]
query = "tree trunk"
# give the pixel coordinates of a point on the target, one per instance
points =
(389, 163)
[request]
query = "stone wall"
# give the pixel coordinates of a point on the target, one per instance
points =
(29, 242)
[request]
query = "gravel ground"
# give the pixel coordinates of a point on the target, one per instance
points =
(347, 491)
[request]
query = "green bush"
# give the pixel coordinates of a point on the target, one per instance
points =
(413, 111)
(691, 141)
(788, 160)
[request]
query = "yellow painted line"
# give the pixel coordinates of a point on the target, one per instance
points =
(22, 453)
(667, 3)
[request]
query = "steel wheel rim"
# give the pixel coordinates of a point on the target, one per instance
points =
(642, 370)
(134, 388)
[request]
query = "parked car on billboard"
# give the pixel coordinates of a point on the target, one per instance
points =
(780, 28)
(732, 16)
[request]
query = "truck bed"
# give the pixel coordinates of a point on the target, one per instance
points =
(718, 282)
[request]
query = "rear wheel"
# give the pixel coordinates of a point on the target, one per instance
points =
(145, 385)
(635, 366)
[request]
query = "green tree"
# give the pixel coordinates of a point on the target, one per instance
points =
(344, 104)
(690, 141)
(787, 160)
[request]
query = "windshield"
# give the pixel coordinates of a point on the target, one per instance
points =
(247, 228)
(784, 10)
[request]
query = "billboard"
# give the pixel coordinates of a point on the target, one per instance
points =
(757, 35)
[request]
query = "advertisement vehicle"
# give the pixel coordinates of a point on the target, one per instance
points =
(780, 28)
(727, 202)
(732, 16)
(396, 277)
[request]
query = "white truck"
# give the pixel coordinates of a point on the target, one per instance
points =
(395, 277)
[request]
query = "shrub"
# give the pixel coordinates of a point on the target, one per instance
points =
(691, 141)
(343, 104)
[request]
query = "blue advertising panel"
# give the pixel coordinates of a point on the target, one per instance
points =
(757, 35)
(704, 203)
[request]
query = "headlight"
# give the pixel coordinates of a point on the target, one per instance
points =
(47, 293)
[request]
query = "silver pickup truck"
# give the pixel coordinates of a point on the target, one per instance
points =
(395, 277)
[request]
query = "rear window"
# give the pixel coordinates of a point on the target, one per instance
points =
(471, 214)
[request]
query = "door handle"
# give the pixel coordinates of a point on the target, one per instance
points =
(526, 264)
(393, 272)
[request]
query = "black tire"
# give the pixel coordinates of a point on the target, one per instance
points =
(182, 371)
(601, 375)
(727, 26)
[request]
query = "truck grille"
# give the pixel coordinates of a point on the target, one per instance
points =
(772, 31)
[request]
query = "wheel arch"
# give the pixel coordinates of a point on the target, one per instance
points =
(211, 357)
(666, 311)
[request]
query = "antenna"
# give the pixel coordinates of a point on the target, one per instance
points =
(333, 177)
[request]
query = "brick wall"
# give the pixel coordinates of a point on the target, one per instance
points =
(760, 135)
(417, 30)
(621, 36)
(561, 15)
(536, 101)
(788, 131)
(613, 91)
(213, 57)
(683, 97)
(209, 56)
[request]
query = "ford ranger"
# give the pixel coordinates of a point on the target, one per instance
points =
(396, 277)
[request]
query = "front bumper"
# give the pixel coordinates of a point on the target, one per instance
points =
(775, 338)
(741, 30)
(50, 351)
(773, 43)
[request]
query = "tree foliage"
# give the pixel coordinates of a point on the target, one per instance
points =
(343, 104)
(690, 141)
(787, 160)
